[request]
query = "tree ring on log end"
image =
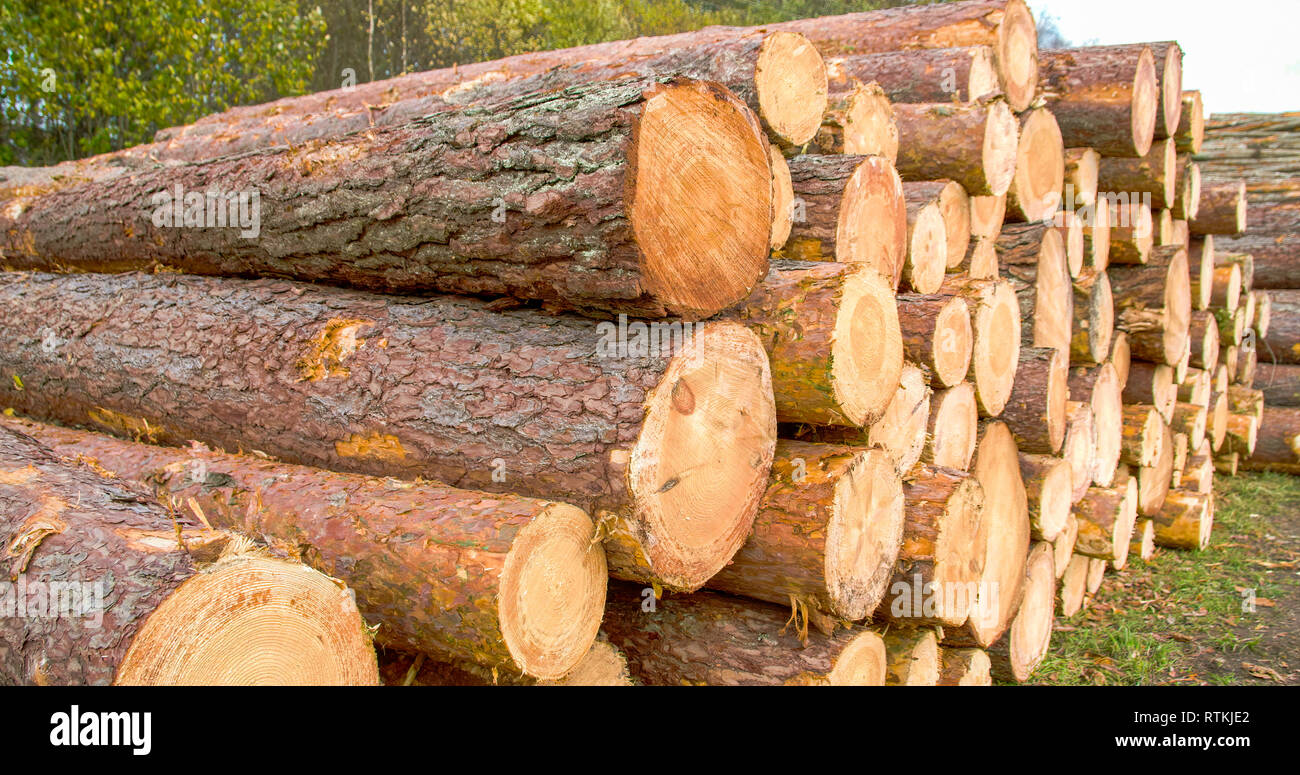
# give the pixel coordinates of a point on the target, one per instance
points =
(861, 663)
(954, 427)
(790, 79)
(1146, 101)
(1031, 632)
(1171, 85)
(552, 592)
(863, 534)
(870, 128)
(996, 353)
(702, 200)
(1178, 307)
(1039, 172)
(1107, 424)
(959, 552)
(700, 465)
(782, 198)
(1017, 54)
(253, 621)
(872, 225)
(953, 341)
(1006, 525)
(1000, 148)
(867, 351)
(927, 249)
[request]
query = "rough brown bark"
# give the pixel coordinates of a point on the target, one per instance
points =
(1152, 384)
(1104, 97)
(827, 532)
(1282, 344)
(1277, 446)
(451, 215)
(1191, 124)
(442, 388)
(957, 74)
(1204, 335)
(831, 332)
(974, 144)
(1036, 410)
(1154, 174)
(1185, 521)
(441, 571)
(1048, 485)
(936, 331)
(848, 209)
(1222, 209)
(711, 639)
(1033, 260)
(859, 119)
(1280, 383)
(1156, 298)
(106, 585)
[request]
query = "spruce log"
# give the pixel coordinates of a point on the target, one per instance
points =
(832, 335)
(927, 242)
(1104, 97)
(1156, 298)
(1036, 410)
(443, 388)
(827, 533)
(912, 656)
(1222, 209)
(1282, 344)
(1100, 387)
(1081, 168)
(937, 335)
(1015, 657)
(1191, 125)
(1033, 260)
(1152, 175)
(901, 430)
(712, 639)
(435, 205)
(995, 320)
(1035, 192)
(503, 581)
(974, 144)
(953, 428)
(848, 209)
(110, 586)
(956, 208)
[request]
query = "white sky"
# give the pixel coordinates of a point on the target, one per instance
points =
(1243, 55)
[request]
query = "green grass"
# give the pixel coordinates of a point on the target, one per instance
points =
(1169, 620)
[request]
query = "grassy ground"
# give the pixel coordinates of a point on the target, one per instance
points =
(1180, 619)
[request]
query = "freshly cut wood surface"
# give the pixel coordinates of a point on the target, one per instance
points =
(387, 386)
(1048, 485)
(1015, 656)
(953, 428)
(912, 656)
(995, 320)
(957, 74)
(964, 667)
(1035, 192)
(1104, 97)
(974, 144)
(1100, 387)
(1079, 449)
(901, 430)
(937, 335)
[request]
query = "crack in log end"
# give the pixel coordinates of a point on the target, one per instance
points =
(334, 344)
(374, 445)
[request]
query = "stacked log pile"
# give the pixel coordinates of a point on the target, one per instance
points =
(848, 347)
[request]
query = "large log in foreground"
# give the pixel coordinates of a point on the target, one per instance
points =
(668, 446)
(503, 581)
(476, 200)
(154, 597)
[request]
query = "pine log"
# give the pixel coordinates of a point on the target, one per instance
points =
(1048, 486)
(1142, 437)
(1280, 383)
(1195, 388)
(1182, 451)
(712, 639)
(1007, 26)
(832, 335)
(1063, 546)
(1033, 259)
(1244, 400)
(1036, 410)
(1081, 168)
(827, 532)
(901, 430)
(1191, 125)
(1156, 298)
(1185, 521)
(503, 581)
(1182, 235)
(1096, 576)
(995, 355)
(1164, 221)
(1015, 657)
(912, 656)
(1152, 384)
(1071, 227)
(1222, 209)
(848, 209)
(1079, 448)
(782, 198)
(1169, 79)
(964, 667)
(956, 209)
(1201, 260)
(1035, 192)
(1094, 317)
(974, 144)
(109, 586)
(645, 229)
(1190, 420)
(927, 241)
(935, 581)
(986, 216)
(1242, 434)
(1152, 175)
(981, 260)
(1074, 584)
(1132, 233)
(443, 388)
(957, 74)
(1198, 474)
(1187, 194)
(1263, 310)
(1227, 463)
(1104, 97)
(1216, 424)
(1100, 387)
(1225, 287)
(1282, 343)
(1203, 331)
(1096, 234)
(1153, 481)
(859, 120)
(937, 335)
(1277, 445)
(953, 428)
(1106, 517)
(1143, 545)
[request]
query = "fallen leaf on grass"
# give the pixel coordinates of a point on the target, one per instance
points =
(1261, 671)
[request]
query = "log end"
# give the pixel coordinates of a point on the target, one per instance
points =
(1001, 148)
(253, 620)
(1039, 167)
(954, 427)
(782, 198)
(863, 662)
(872, 227)
(1017, 54)
(953, 342)
(790, 81)
(927, 249)
(863, 534)
(1146, 102)
(867, 351)
(1006, 525)
(1031, 631)
(870, 128)
(996, 352)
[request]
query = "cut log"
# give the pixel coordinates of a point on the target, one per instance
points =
(1195, 389)
(1101, 389)
(1132, 233)
(1164, 221)
(712, 639)
(1187, 194)
(449, 220)
(964, 667)
(1074, 584)
(1096, 239)
(958, 74)
(1282, 343)
(1033, 260)
(1048, 485)
(1280, 383)
(1191, 125)
(1096, 576)
(953, 428)
(1094, 317)
(942, 557)
(115, 588)
(1225, 287)
(1071, 227)
(955, 207)
(650, 415)
(927, 241)
(1121, 356)
(1191, 420)
(1081, 176)
(1203, 333)
(848, 209)
(1182, 235)
(1063, 546)
(937, 335)
(1106, 517)
(1015, 657)
(1185, 521)
(1200, 266)
(1277, 446)
(1007, 26)
(827, 532)
(912, 656)
(1006, 519)
(1169, 79)
(503, 581)
(1222, 209)
(1142, 437)
(974, 144)
(1143, 545)
(1242, 434)
(901, 429)
(981, 261)
(1153, 481)
(986, 216)
(1035, 192)
(1198, 474)
(1216, 424)
(1263, 311)
(859, 120)
(1227, 463)
(1152, 384)
(1244, 400)
(1079, 449)
(1036, 410)
(1152, 175)
(782, 198)
(1104, 97)
(831, 332)
(1181, 452)
(995, 319)
(1156, 298)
